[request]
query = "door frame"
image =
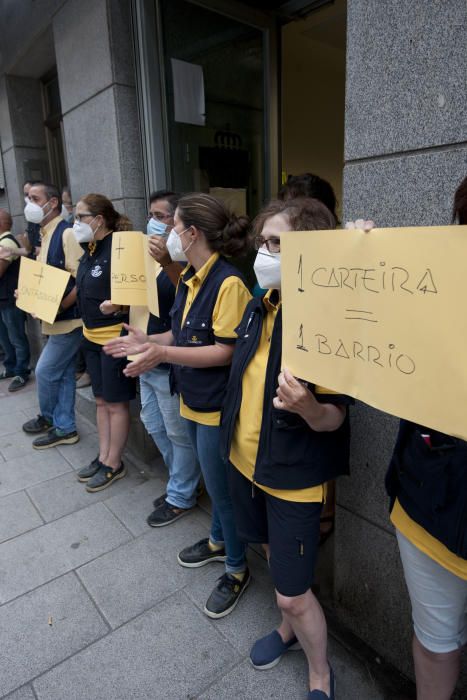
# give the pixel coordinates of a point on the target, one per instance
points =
(151, 92)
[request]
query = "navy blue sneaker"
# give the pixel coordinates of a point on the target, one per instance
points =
(268, 651)
(320, 694)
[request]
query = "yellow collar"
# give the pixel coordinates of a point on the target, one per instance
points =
(49, 228)
(272, 304)
(199, 277)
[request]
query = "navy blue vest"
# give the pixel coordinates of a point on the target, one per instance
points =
(9, 280)
(290, 454)
(202, 389)
(56, 257)
(430, 483)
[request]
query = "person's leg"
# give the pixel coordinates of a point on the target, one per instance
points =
(64, 411)
(439, 612)
(119, 421)
(15, 319)
(293, 530)
(103, 428)
(436, 674)
(9, 361)
(151, 417)
(215, 473)
(184, 471)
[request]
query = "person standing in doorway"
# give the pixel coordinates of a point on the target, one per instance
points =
(55, 370)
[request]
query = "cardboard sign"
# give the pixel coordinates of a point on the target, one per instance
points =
(380, 316)
(40, 288)
(133, 271)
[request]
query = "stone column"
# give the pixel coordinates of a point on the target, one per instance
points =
(97, 86)
(405, 154)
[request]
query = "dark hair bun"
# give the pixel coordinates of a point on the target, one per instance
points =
(235, 240)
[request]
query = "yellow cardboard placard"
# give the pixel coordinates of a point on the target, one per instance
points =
(139, 317)
(133, 271)
(40, 288)
(380, 316)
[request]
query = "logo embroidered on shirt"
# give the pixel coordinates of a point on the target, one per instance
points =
(96, 271)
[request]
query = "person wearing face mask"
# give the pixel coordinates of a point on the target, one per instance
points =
(95, 221)
(67, 206)
(33, 231)
(160, 408)
(55, 370)
(283, 439)
(209, 303)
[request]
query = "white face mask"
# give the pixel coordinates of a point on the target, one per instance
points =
(267, 269)
(64, 213)
(83, 231)
(34, 213)
(174, 246)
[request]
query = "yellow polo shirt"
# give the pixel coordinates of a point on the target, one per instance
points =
(228, 310)
(244, 448)
(429, 545)
(73, 253)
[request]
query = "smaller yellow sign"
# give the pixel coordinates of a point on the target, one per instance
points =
(133, 271)
(40, 288)
(128, 272)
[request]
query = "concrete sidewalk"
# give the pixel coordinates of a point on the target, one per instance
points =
(94, 606)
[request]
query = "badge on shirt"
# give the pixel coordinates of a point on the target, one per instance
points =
(96, 271)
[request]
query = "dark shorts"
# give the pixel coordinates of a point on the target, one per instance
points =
(291, 530)
(107, 379)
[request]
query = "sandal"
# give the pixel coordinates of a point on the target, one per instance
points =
(324, 535)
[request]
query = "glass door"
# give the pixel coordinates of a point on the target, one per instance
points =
(209, 106)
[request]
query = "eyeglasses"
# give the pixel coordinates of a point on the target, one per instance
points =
(158, 215)
(273, 244)
(78, 217)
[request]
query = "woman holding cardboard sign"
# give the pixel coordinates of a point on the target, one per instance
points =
(284, 439)
(95, 221)
(209, 304)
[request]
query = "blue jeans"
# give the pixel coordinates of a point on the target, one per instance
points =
(14, 341)
(56, 382)
(160, 413)
(205, 439)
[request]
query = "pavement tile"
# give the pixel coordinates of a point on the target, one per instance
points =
(53, 549)
(134, 505)
(147, 571)
(256, 613)
(21, 472)
(23, 401)
(16, 444)
(11, 422)
(82, 452)
(289, 679)
(17, 515)
(24, 693)
(170, 652)
(65, 494)
(36, 645)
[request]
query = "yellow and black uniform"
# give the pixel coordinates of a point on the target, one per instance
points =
(93, 283)
(427, 482)
(60, 249)
(279, 464)
(208, 307)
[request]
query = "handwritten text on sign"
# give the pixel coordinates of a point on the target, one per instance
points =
(380, 316)
(40, 288)
(133, 271)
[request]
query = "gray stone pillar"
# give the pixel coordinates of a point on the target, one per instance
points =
(405, 154)
(97, 87)
(22, 139)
